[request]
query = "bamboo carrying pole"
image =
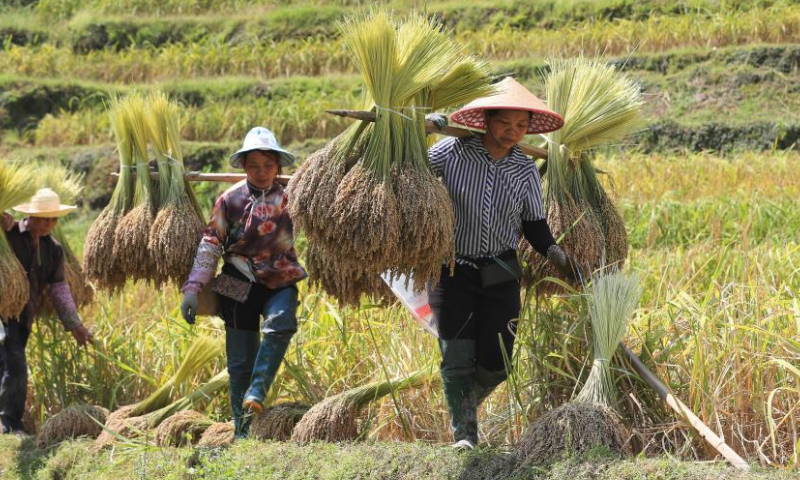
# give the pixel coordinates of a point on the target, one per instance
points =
(678, 406)
(216, 177)
(363, 115)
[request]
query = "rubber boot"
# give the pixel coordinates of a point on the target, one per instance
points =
(241, 347)
(458, 371)
(486, 381)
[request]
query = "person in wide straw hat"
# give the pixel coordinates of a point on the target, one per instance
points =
(497, 197)
(251, 230)
(43, 260)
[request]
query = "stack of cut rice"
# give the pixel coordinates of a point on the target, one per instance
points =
(368, 201)
(149, 231)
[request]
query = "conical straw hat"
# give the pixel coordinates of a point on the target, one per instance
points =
(45, 203)
(510, 96)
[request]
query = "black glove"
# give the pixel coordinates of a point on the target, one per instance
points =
(189, 307)
(439, 120)
(566, 265)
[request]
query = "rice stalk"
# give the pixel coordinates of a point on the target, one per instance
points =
(132, 234)
(277, 422)
(203, 350)
(204, 393)
(178, 227)
(182, 429)
(334, 418)
(72, 422)
(16, 186)
(217, 435)
(100, 264)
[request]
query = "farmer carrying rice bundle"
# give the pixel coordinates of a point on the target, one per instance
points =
(42, 257)
(497, 197)
(251, 230)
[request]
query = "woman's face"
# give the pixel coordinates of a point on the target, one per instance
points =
(40, 226)
(508, 127)
(261, 168)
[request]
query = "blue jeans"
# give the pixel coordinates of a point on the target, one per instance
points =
(14, 379)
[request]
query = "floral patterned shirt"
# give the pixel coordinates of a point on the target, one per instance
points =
(251, 228)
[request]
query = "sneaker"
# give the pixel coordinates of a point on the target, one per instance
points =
(464, 445)
(250, 403)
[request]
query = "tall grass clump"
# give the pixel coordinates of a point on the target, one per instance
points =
(100, 262)
(178, 227)
(600, 106)
(368, 201)
(17, 186)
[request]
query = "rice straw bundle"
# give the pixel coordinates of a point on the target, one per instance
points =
(16, 186)
(72, 422)
(178, 227)
(100, 264)
(132, 235)
(217, 435)
(368, 201)
(122, 424)
(203, 350)
(334, 418)
(277, 422)
(182, 429)
(68, 185)
(600, 107)
(589, 419)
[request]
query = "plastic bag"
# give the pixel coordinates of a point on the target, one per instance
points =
(416, 303)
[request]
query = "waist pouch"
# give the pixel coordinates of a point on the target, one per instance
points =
(230, 284)
(499, 269)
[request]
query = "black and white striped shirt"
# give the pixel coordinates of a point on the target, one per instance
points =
(491, 199)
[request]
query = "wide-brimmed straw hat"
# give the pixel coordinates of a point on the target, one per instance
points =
(45, 204)
(510, 96)
(260, 138)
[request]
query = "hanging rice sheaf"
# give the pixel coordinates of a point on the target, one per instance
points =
(368, 201)
(178, 227)
(16, 186)
(588, 420)
(68, 185)
(72, 422)
(132, 236)
(100, 264)
(601, 107)
(334, 419)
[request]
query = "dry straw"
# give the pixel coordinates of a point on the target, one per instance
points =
(72, 422)
(335, 418)
(368, 201)
(589, 420)
(178, 227)
(277, 422)
(100, 264)
(16, 186)
(182, 429)
(217, 435)
(601, 107)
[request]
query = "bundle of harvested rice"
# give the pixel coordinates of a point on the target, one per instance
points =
(277, 422)
(589, 420)
(16, 186)
(600, 106)
(368, 201)
(182, 429)
(178, 227)
(217, 435)
(72, 422)
(203, 350)
(99, 262)
(334, 419)
(68, 185)
(132, 235)
(121, 424)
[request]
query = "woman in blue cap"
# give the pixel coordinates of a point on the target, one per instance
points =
(251, 230)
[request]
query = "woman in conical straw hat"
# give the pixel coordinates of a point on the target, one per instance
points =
(497, 197)
(43, 260)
